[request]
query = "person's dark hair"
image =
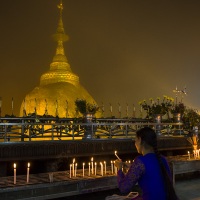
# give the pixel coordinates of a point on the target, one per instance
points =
(149, 137)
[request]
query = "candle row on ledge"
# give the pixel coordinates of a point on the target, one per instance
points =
(15, 173)
(92, 168)
(195, 153)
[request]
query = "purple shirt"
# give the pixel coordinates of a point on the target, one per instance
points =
(146, 171)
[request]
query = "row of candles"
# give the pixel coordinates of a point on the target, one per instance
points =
(92, 168)
(195, 153)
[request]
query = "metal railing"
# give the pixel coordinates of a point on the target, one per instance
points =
(33, 129)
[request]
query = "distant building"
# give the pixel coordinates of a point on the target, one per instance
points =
(59, 87)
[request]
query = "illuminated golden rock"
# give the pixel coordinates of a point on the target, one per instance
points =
(59, 87)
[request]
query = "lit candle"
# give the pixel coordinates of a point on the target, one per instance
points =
(89, 169)
(197, 153)
(117, 155)
(115, 168)
(188, 155)
(95, 170)
(28, 170)
(83, 168)
(15, 173)
(111, 166)
(105, 167)
(70, 171)
(101, 168)
(194, 152)
(75, 169)
(92, 163)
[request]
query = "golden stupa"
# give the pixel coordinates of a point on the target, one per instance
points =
(59, 87)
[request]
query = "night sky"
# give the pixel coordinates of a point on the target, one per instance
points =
(123, 51)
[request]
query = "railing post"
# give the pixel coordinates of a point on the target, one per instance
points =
(5, 135)
(88, 134)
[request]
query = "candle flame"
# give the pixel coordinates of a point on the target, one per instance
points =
(15, 165)
(28, 164)
(117, 155)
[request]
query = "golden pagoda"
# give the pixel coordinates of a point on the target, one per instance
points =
(59, 87)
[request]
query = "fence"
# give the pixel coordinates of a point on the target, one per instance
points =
(33, 129)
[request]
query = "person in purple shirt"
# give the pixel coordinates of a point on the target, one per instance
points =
(150, 170)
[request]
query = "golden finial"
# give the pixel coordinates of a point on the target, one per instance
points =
(60, 33)
(60, 6)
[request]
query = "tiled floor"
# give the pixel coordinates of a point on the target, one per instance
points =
(188, 189)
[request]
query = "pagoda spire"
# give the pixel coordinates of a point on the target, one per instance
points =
(60, 37)
(60, 70)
